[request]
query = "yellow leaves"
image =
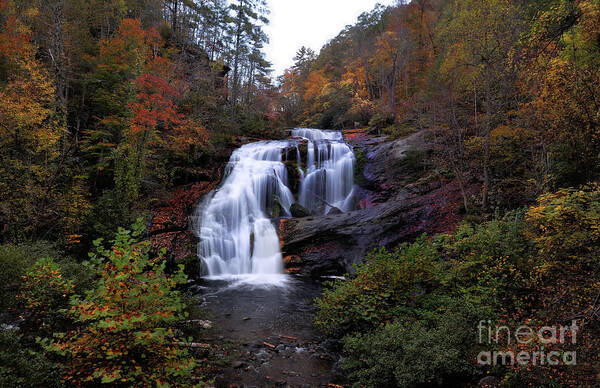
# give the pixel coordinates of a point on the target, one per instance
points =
(315, 83)
(28, 97)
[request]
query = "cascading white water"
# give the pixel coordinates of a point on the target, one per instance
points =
(236, 234)
(329, 177)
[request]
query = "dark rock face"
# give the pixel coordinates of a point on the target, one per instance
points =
(170, 225)
(391, 211)
(299, 211)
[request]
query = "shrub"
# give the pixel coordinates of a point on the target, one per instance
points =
(389, 285)
(45, 292)
(399, 130)
(436, 351)
(565, 227)
(123, 336)
(22, 367)
(381, 120)
(490, 263)
(14, 261)
(408, 315)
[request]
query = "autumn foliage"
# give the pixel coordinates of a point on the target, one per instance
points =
(124, 334)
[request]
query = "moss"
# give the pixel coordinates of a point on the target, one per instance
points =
(400, 130)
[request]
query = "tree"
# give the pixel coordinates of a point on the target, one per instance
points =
(123, 335)
(562, 81)
(248, 18)
(30, 132)
(478, 37)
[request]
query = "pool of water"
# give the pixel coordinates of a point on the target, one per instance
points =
(271, 326)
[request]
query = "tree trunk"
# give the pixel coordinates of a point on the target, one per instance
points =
(174, 16)
(486, 157)
(461, 185)
(236, 58)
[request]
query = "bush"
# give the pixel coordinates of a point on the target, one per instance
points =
(45, 293)
(14, 262)
(21, 367)
(397, 131)
(381, 120)
(123, 335)
(565, 227)
(389, 285)
(436, 351)
(490, 263)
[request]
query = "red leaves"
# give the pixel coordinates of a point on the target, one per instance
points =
(14, 39)
(155, 109)
(154, 104)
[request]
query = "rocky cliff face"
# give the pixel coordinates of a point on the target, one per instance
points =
(171, 222)
(399, 201)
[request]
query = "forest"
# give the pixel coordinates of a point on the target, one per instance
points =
(111, 108)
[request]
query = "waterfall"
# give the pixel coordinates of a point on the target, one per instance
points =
(329, 178)
(237, 236)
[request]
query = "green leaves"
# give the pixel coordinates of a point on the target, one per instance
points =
(124, 321)
(387, 280)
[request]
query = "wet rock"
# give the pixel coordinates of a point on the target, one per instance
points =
(334, 211)
(299, 211)
(276, 209)
(205, 324)
(388, 215)
(263, 356)
(293, 173)
(238, 364)
(292, 259)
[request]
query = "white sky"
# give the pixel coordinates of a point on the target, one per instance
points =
(311, 23)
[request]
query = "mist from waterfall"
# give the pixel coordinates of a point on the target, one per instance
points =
(235, 228)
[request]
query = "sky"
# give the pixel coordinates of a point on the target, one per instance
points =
(310, 23)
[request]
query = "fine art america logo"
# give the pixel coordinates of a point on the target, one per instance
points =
(526, 337)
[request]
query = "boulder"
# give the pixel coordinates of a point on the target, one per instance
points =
(299, 211)
(334, 210)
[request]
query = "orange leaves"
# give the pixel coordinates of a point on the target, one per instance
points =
(131, 49)
(14, 39)
(45, 288)
(155, 110)
(154, 104)
(28, 96)
(315, 83)
(186, 135)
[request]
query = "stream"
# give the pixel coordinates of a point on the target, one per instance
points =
(264, 314)
(270, 333)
